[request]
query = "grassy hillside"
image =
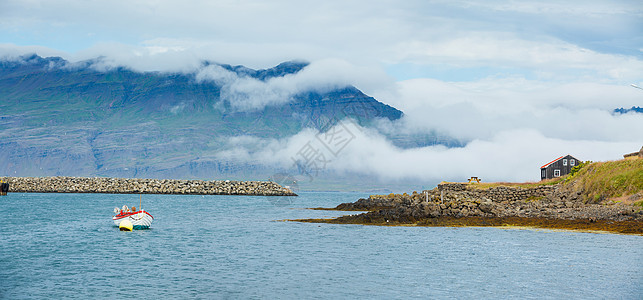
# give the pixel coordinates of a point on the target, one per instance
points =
(599, 181)
(608, 180)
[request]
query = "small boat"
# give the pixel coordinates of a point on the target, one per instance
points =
(138, 219)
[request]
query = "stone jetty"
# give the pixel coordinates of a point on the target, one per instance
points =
(143, 186)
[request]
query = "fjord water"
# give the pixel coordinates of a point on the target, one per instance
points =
(66, 246)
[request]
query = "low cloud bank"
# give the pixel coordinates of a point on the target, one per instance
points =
(510, 127)
(482, 109)
(513, 155)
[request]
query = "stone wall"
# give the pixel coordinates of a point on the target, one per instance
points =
(501, 194)
(142, 186)
(453, 187)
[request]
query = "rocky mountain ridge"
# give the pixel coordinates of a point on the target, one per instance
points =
(76, 119)
(634, 109)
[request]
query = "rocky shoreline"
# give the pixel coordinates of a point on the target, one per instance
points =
(143, 186)
(455, 204)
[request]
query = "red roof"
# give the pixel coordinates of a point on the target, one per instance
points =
(553, 161)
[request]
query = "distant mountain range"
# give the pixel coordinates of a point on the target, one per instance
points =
(635, 109)
(74, 119)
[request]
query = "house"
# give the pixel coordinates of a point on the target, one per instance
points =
(558, 167)
(634, 155)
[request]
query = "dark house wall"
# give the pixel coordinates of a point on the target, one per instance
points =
(564, 164)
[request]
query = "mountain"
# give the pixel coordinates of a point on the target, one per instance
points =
(80, 119)
(634, 109)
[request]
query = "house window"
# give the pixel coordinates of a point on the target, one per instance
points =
(564, 161)
(572, 162)
(543, 173)
(556, 173)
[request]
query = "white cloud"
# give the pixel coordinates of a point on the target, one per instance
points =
(511, 126)
(14, 52)
(172, 58)
(246, 93)
(542, 37)
(548, 7)
(470, 110)
(512, 155)
(550, 59)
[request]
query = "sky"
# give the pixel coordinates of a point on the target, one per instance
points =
(518, 82)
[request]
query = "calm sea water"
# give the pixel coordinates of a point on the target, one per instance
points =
(65, 246)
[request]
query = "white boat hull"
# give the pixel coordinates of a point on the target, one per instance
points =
(140, 219)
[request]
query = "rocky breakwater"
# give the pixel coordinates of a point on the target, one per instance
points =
(455, 204)
(143, 186)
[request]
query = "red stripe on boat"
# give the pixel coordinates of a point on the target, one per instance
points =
(130, 214)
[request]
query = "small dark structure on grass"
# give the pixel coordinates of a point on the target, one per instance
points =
(558, 167)
(634, 155)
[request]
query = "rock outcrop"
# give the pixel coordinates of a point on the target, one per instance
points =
(461, 200)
